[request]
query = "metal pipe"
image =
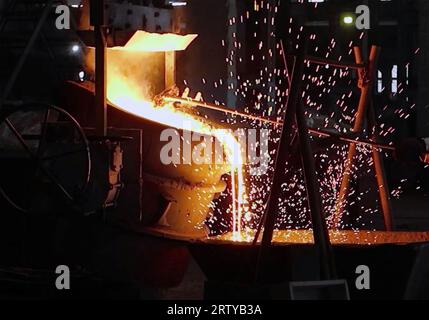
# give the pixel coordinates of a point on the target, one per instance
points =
(289, 80)
(282, 155)
(344, 138)
(344, 65)
(211, 106)
(97, 14)
(380, 174)
(294, 112)
(321, 236)
(318, 220)
(365, 84)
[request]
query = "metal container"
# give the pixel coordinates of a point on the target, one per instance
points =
(188, 189)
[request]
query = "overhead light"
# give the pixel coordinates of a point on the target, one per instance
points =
(75, 48)
(82, 75)
(178, 3)
(348, 20)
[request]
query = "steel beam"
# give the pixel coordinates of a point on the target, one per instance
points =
(97, 20)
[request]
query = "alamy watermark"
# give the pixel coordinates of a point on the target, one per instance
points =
(363, 17)
(363, 279)
(221, 146)
(62, 282)
(62, 22)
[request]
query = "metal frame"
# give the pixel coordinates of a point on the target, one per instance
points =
(294, 109)
(364, 111)
(294, 113)
(97, 16)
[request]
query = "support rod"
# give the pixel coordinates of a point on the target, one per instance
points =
(97, 14)
(380, 175)
(348, 139)
(294, 112)
(320, 229)
(282, 155)
(316, 132)
(193, 103)
(344, 65)
(366, 77)
(320, 232)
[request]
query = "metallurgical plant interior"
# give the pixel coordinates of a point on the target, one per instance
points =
(201, 150)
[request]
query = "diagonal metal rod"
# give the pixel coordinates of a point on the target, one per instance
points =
(289, 74)
(316, 132)
(314, 199)
(195, 103)
(365, 83)
(11, 82)
(380, 174)
(326, 62)
(98, 18)
(345, 138)
(293, 113)
(282, 154)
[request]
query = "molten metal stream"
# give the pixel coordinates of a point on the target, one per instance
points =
(121, 95)
(126, 94)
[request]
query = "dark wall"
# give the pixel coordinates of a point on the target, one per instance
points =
(205, 58)
(423, 75)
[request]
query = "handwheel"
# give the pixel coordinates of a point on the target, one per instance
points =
(44, 156)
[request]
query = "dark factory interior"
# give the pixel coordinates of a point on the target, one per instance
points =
(235, 150)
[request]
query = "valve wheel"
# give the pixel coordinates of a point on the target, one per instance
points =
(44, 156)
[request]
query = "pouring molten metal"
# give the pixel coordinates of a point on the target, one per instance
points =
(130, 93)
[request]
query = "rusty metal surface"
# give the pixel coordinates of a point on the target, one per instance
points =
(298, 237)
(337, 237)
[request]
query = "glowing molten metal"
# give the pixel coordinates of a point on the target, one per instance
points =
(129, 94)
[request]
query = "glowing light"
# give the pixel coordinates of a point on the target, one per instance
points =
(153, 42)
(81, 75)
(348, 19)
(178, 3)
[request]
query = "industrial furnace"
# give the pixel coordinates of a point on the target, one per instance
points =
(140, 174)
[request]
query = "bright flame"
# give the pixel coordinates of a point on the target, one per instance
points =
(126, 93)
(153, 42)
